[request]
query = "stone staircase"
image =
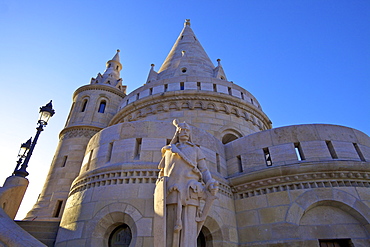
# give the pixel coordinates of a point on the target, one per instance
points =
(44, 231)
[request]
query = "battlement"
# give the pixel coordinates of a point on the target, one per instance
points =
(191, 83)
(296, 144)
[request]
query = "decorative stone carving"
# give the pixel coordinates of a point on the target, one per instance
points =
(206, 103)
(184, 181)
(75, 132)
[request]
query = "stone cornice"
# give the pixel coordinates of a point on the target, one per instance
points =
(79, 131)
(191, 95)
(99, 87)
(306, 181)
(118, 175)
(292, 177)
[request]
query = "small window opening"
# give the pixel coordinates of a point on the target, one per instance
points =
(109, 153)
(64, 161)
(165, 87)
(252, 101)
(222, 78)
(242, 95)
(218, 165)
(228, 138)
(150, 91)
(182, 85)
(126, 102)
(182, 36)
(298, 151)
(268, 159)
(332, 152)
(183, 70)
(4, 205)
(214, 88)
(359, 153)
(58, 208)
(335, 242)
(108, 82)
(137, 96)
(137, 149)
(84, 104)
(102, 106)
(121, 236)
(195, 38)
(117, 67)
(109, 65)
(199, 86)
(229, 90)
(240, 164)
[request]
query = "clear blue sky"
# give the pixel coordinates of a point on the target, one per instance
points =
(305, 61)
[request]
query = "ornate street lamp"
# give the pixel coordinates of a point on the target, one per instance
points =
(22, 153)
(46, 112)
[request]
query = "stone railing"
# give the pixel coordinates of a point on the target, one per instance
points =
(208, 84)
(299, 144)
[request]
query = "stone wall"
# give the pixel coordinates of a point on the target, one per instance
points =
(297, 199)
(117, 181)
(199, 103)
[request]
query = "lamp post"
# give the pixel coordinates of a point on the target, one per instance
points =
(22, 153)
(46, 112)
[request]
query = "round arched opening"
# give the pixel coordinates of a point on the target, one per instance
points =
(121, 236)
(229, 138)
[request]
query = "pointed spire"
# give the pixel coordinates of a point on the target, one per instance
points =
(219, 71)
(111, 75)
(152, 74)
(115, 60)
(116, 57)
(187, 57)
(112, 72)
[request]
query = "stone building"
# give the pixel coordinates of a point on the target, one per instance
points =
(302, 185)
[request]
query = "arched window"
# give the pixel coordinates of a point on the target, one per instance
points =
(228, 138)
(229, 135)
(102, 106)
(120, 237)
(84, 104)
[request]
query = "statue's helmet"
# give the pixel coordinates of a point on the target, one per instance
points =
(179, 126)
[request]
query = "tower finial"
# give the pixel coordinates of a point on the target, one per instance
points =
(187, 22)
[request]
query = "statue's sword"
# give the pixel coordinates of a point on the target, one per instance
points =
(207, 205)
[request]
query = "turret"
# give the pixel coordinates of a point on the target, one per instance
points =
(93, 107)
(188, 86)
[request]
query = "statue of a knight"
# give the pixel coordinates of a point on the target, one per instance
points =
(187, 182)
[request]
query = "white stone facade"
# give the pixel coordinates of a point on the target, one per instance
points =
(289, 186)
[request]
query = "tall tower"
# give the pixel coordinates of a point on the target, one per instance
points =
(93, 107)
(113, 192)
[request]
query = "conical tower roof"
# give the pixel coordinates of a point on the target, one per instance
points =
(187, 57)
